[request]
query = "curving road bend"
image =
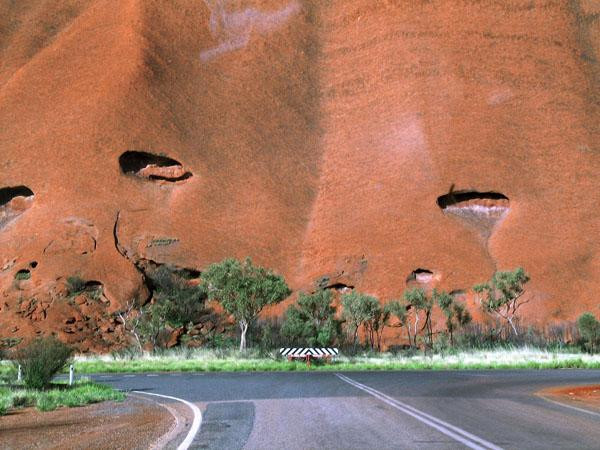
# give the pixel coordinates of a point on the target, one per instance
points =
(441, 410)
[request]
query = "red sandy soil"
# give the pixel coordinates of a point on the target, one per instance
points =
(586, 396)
(133, 424)
(317, 136)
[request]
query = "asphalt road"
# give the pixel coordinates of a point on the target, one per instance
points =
(378, 410)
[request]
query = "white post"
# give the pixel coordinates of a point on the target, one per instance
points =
(71, 370)
(19, 375)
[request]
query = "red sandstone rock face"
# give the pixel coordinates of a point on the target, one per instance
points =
(348, 143)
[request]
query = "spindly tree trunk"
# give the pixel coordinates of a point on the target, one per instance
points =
(244, 329)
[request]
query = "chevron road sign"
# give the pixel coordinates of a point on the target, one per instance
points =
(309, 352)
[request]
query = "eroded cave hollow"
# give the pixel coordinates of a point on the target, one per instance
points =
(419, 275)
(14, 201)
(152, 167)
(340, 287)
(480, 210)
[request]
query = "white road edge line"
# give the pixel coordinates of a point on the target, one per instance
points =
(195, 424)
(458, 434)
(564, 405)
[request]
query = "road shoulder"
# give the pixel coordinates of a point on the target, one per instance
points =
(584, 397)
(104, 425)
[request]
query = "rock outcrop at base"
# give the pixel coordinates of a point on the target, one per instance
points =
(355, 141)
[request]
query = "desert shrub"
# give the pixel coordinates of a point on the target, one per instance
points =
(176, 301)
(5, 403)
(46, 403)
(21, 401)
(41, 360)
(589, 329)
(479, 336)
(442, 343)
(266, 335)
(75, 285)
(311, 321)
(220, 341)
(495, 335)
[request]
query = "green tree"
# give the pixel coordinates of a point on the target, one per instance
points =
(358, 308)
(243, 290)
(374, 327)
(589, 328)
(502, 296)
(420, 307)
(399, 310)
(312, 320)
(456, 314)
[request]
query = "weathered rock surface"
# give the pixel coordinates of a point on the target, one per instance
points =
(352, 140)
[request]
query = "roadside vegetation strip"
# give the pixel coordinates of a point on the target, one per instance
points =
(203, 361)
(82, 393)
(458, 434)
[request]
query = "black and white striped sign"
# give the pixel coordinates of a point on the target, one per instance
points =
(315, 352)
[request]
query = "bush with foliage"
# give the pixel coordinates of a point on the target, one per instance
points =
(358, 310)
(176, 301)
(243, 290)
(375, 325)
(502, 296)
(41, 360)
(589, 329)
(399, 310)
(75, 285)
(420, 306)
(311, 321)
(456, 314)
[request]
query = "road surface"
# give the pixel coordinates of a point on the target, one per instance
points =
(378, 410)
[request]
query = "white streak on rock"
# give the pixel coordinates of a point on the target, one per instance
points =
(233, 29)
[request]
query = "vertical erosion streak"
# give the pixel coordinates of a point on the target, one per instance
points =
(589, 48)
(234, 29)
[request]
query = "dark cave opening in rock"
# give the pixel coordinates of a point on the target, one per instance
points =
(23, 274)
(457, 197)
(458, 292)
(152, 167)
(420, 276)
(33, 264)
(340, 287)
(187, 274)
(8, 193)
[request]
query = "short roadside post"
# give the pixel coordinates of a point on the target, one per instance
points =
(19, 374)
(71, 373)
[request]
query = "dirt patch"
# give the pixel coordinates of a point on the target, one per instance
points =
(135, 423)
(584, 396)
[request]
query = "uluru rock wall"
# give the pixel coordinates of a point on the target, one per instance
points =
(343, 143)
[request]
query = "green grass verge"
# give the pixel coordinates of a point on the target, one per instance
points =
(265, 365)
(230, 361)
(203, 360)
(81, 393)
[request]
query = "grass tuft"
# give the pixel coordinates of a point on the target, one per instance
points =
(82, 393)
